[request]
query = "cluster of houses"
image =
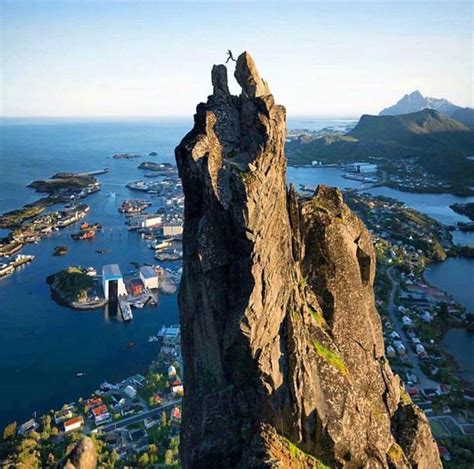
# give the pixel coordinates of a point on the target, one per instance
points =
(408, 174)
(41, 226)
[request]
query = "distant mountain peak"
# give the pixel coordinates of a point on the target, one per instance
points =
(415, 101)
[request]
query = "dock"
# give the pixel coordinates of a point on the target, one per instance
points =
(95, 173)
(22, 259)
(126, 310)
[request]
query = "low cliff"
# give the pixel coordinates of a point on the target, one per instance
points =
(283, 351)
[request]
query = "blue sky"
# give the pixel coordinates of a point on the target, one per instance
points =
(151, 58)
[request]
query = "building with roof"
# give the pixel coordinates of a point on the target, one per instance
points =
(91, 403)
(149, 277)
(135, 286)
(361, 167)
(172, 229)
(73, 424)
(130, 392)
(112, 281)
(28, 427)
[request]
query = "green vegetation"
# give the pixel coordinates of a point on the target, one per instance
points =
(395, 452)
(438, 142)
(62, 181)
(9, 431)
(405, 397)
(462, 452)
(331, 357)
(297, 453)
(16, 217)
(71, 284)
(317, 315)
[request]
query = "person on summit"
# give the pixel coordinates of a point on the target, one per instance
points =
(231, 57)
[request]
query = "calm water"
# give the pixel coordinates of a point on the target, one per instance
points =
(456, 276)
(44, 345)
(461, 345)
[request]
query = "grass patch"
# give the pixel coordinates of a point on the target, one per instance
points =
(333, 358)
(405, 397)
(317, 316)
(395, 452)
(297, 453)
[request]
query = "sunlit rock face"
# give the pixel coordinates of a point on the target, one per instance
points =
(284, 360)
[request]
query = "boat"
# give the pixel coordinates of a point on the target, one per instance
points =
(80, 374)
(138, 186)
(6, 269)
(21, 259)
(139, 304)
(88, 234)
(153, 338)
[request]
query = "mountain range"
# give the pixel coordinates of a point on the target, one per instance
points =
(415, 102)
(441, 143)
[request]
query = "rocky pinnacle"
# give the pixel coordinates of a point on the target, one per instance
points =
(284, 361)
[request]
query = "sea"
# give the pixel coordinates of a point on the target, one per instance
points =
(50, 354)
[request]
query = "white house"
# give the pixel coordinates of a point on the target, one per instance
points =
(149, 277)
(112, 281)
(407, 321)
(73, 424)
(130, 392)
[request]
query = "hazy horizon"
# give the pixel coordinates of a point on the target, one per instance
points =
(150, 59)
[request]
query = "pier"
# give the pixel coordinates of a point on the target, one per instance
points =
(126, 310)
(95, 173)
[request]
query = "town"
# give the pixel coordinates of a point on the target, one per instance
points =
(134, 423)
(415, 316)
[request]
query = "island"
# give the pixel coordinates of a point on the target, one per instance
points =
(125, 156)
(61, 182)
(75, 287)
(60, 251)
(162, 167)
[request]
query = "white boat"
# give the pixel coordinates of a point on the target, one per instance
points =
(139, 304)
(6, 269)
(80, 374)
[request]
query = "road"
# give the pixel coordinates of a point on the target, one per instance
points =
(137, 418)
(423, 380)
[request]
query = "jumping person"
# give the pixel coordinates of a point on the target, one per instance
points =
(231, 57)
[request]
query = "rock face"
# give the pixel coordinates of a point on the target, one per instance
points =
(83, 456)
(283, 352)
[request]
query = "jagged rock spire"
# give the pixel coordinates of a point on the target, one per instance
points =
(283, 350)
(248, 78)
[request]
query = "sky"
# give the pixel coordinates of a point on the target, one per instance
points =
(152, 58)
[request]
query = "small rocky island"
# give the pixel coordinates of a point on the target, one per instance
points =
(75, 287)
(125, 156)
(151, 166)
(284, 359)
(65, 181)
(60, 251)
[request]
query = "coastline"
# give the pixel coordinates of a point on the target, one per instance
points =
(445, 328)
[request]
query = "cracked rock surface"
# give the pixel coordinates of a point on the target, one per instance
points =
(284, 361)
